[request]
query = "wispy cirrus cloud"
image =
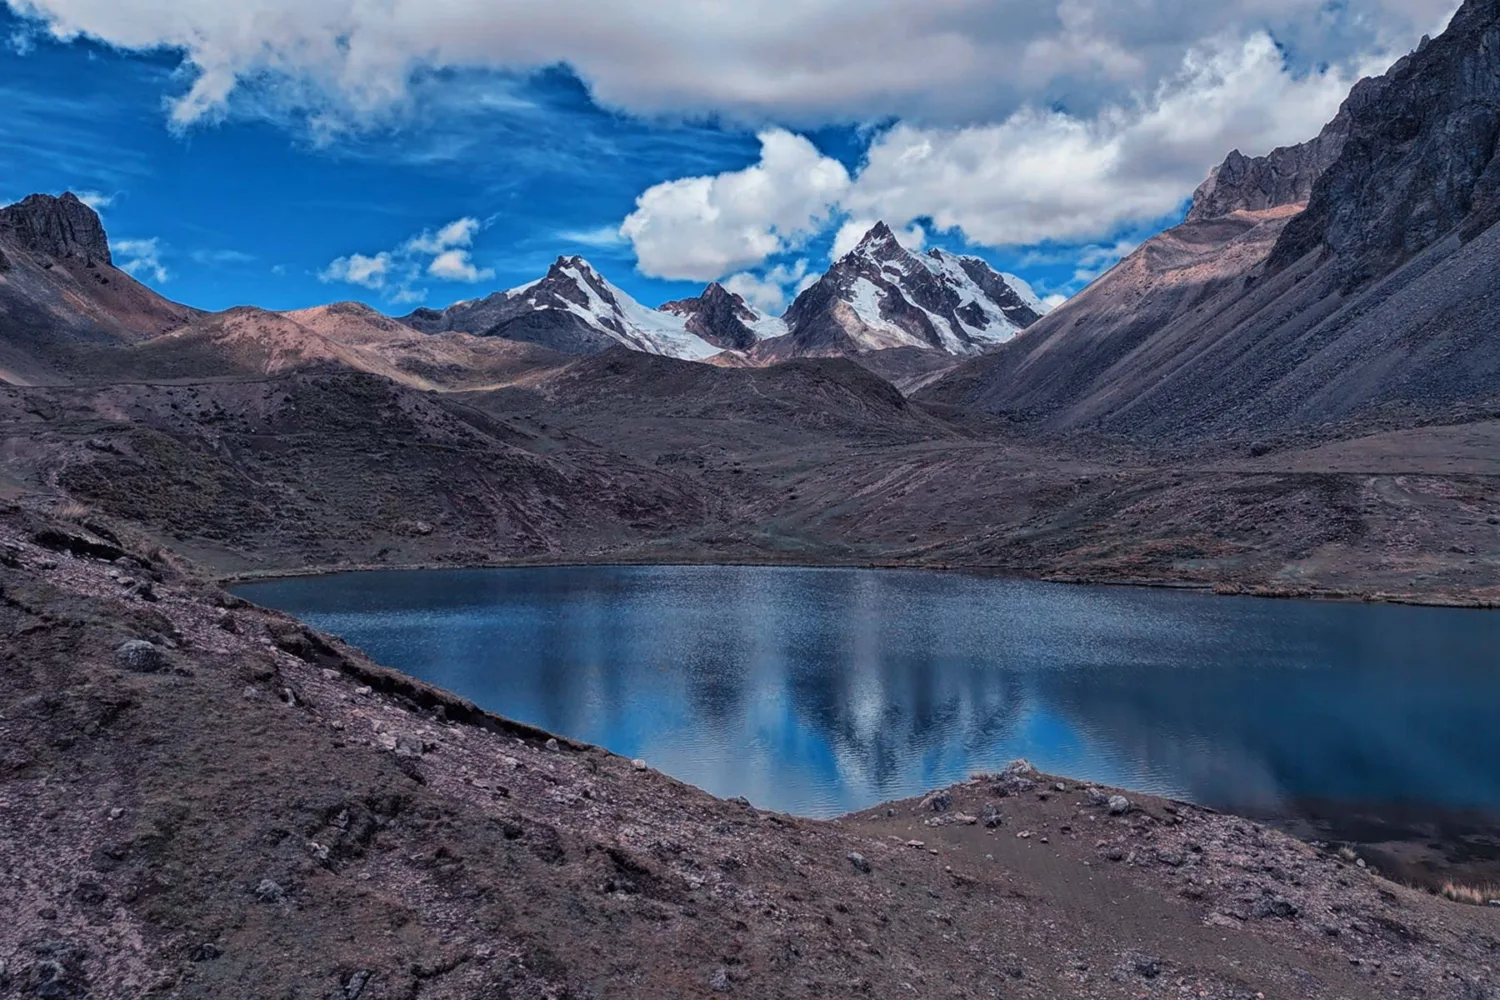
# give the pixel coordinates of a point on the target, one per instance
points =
(603, 237)
(221, 258)
(96, 200)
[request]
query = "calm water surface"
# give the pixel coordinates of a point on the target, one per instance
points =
(825, 691)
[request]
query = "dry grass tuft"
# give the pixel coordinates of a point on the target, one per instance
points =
(1471, 894)
(74, 511)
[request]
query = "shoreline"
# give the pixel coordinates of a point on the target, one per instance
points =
(1471, 602)
(1421, 850)
(200, 794)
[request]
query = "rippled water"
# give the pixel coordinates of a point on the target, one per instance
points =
(825, 691)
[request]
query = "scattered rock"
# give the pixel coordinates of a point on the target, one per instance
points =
(552, 744)
(269, 891)
(638, 764)
(858, 861)
(1095, 797)
(141, 657)
(205, 952)
(937, 802)
(991, 816)
(1119, 805)
(1147, 966)
(355, 984)
(1275, 906)
(79, 545)
(719, 981)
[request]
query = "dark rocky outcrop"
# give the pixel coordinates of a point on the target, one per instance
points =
(1421, 160)
(1284, 176)
(57, 227)
(719, 316)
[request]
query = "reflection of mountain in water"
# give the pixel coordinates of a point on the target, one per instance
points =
(824, 691)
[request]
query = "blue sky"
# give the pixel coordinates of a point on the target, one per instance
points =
(253, 200)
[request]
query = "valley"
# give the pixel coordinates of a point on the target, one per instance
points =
(1292, 393)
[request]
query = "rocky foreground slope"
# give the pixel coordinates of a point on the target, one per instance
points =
(205, 799)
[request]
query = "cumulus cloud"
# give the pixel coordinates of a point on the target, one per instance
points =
(455, 265)
(442, 253)
(357, 269)
(458, 233)
(1038, 176)
(700, 228)
(1049, 175)
(140, 259)
(961, 61)
(1051, 302)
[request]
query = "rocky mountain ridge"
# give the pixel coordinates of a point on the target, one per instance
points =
(572, 308)
(882, 296)
(878, 297)
(725, 319)
(1422, 158)
(1370, 305)
(61, 227)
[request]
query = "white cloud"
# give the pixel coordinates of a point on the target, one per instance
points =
(357, 269)
(767, 292)
(700, 228)
(1048, 175)
(1093, 260)
(219, 258)
(1051, 302)
(1036, 177)
(442, 254)
(140, 259)
(960, 61)
(458, 233)
(95, 200)
(602, 236)
(455, 265)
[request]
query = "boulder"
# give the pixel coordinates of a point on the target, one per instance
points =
(141, 657)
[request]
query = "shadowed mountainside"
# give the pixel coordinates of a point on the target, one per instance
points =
(1372, 309)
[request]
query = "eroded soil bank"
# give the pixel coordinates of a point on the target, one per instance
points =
(200, 798)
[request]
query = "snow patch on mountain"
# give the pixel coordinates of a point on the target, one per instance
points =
(881, 295)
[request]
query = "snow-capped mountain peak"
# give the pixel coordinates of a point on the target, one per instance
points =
(881, 295)
(572, 308)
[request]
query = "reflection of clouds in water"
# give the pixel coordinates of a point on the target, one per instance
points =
(825, 691)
